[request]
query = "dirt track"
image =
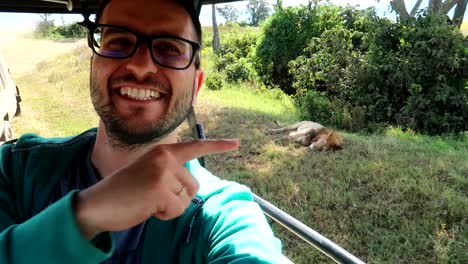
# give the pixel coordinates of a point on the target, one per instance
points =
(22, 52)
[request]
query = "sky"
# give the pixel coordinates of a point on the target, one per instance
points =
(23, 21)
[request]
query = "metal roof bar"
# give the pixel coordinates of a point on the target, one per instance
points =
(63, 6)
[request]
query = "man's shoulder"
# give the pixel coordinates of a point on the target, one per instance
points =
(33, 142)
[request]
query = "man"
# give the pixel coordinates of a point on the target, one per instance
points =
(128, 192)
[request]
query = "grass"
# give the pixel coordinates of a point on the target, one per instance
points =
(56, 97)
(394, 197)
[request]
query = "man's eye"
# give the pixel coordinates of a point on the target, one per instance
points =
(168, 49)
(117, 43)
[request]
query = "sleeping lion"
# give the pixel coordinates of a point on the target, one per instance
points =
(312, 134)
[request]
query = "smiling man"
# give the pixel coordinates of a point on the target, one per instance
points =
(128, 192)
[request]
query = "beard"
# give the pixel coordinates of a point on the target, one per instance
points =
(120, 133)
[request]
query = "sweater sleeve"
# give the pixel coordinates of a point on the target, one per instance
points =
(52, 236)
(237, 229)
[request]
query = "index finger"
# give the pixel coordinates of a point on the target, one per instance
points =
(190, 150)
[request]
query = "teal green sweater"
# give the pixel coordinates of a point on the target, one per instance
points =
(222, 225)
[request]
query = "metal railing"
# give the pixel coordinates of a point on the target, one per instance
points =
(326, 246)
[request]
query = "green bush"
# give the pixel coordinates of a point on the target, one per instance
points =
(324, 66)
(239, 71)
(408, 74)
(215, 81)
(324, 75)
(320, 108)
(71, 31)
(47, 29)
(207, 37)
(285, 35)
(316, 107)
(412, 76)
(43, 28)
(235, 56)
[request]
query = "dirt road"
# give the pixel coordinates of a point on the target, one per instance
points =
(22, 52)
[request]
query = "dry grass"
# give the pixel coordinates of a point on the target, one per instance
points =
(23, 53)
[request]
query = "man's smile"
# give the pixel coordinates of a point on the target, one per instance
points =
(140, 94)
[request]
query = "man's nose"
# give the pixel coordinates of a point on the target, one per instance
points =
(141, 63)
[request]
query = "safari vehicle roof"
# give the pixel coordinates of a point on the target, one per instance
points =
(60, 6)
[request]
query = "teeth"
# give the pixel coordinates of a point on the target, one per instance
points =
(140, 94)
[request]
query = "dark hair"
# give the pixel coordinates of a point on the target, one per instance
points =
(188, 6)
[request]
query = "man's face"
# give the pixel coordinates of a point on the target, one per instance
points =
(137, 100)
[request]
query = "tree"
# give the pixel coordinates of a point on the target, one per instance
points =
(44, 26)
(279, 4)
(216, 42)
(435, 6)
(229, 13)
(258, 11)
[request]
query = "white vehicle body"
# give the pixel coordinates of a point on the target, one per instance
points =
(9, 102)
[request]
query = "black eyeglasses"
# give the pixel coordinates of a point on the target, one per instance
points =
(120, 43)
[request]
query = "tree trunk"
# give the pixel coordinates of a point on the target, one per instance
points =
(459, 12)
(216, 42)
(399, 7)
(435, 6)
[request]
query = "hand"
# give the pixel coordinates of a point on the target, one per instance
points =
(153, 185)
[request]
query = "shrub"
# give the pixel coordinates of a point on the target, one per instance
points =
(47, 29)
(408, 74)
(315, 106)
(324, 75)
(333, 112)
(239, 71)
(215, 81)
(235, 57)
(412, 76)
(284, 37)
(71, 31)
(43, 28)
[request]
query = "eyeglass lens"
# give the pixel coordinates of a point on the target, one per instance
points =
(119, 43)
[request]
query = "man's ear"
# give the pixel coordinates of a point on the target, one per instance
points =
(199, 75)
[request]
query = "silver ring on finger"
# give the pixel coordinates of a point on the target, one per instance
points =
(182, 188)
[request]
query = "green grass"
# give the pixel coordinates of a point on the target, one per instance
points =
(394, 197)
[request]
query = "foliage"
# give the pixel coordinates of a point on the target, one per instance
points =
(284, 37)
(228, 12)
(235, 56)
(412, 76)
(328, 67)
(215, 80)
(438, 7)
(407, 74)
(71, 31)
(46, 28)
(241, 70)
(258, 11)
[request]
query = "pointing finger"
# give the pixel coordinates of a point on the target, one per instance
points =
(186, 151)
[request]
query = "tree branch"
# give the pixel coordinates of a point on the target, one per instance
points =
(459, 12)
(399, 7)
(448, 5)
(416, 8)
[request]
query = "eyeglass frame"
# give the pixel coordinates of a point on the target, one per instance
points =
(140, 38)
